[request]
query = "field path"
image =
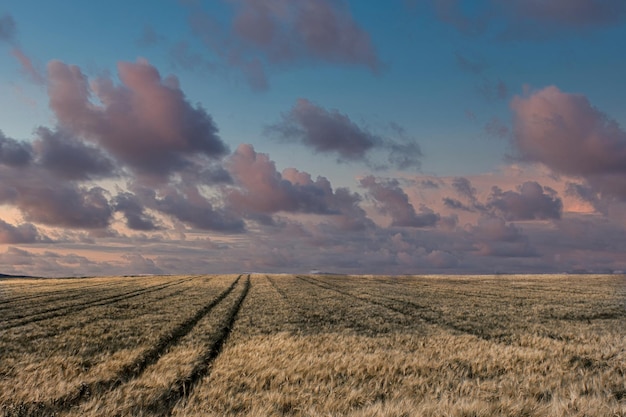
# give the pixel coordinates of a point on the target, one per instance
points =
(183, 387)
(134, 370)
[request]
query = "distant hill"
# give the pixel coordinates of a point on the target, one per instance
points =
(14, 276)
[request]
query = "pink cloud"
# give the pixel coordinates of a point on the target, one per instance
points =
(266, 33)
(391, 199)
(146, 122)
(27, 66)
(570, 136)
(262, 189)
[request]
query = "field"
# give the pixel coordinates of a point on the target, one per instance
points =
(319, 345)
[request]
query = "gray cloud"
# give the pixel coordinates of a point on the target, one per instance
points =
(23, 233)
(282, 32)
(335, 133)
(8, 29)
(146, 122)
(471, 65)
(530, 202)
(14, 153)
(529, 19)
(70, 158)
(494, 237)
(455, 204)
(391, 199)
(464, 187)
(186, 203)
(325, 131)
(136, 217)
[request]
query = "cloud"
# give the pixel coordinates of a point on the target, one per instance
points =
(577, 14)
(587, 194)
(530, 202)
(14, 153)
(567, 134)
(43, 199)
(451, 12)
(262, 189)
(471, 65)
(491, 90)
(455, 204)
(139, 264)
(494, 237)
(464, 187)
(8, 28)
(23, 233)
(149, 37)
(136, 217)
(70, 158)
(276, 33)
(146, 122)
(331, 132)
(441, 259)
(528, 19)
(497, 129)
(325, 131)
(391, 199)
(8, 33)
(28, 68)
(186, 203)
(37, 179)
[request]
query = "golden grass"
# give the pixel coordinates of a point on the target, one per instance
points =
(315, 346)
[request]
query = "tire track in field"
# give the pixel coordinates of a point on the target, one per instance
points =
(93, 319)
(184, 386)
(280, 291)
(357, 325)
(64, 310)
(57, 294)
(137, 367)
(418, 310)
(83, 298)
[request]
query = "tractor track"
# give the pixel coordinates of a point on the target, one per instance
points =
(57, 294)
(137, 367)
(183, 387)
(418, 311)
(22, 320)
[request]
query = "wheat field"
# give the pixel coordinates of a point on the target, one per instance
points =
(314, 345)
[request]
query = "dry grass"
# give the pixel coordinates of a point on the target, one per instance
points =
(315, 346)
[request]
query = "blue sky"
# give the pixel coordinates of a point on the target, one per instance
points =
(336, 89)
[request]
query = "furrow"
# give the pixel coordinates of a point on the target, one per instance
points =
(127, 373)
(64, 310)
(418, 310)
(51, 296)
(183, 387)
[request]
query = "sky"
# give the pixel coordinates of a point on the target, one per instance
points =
(346, 136)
